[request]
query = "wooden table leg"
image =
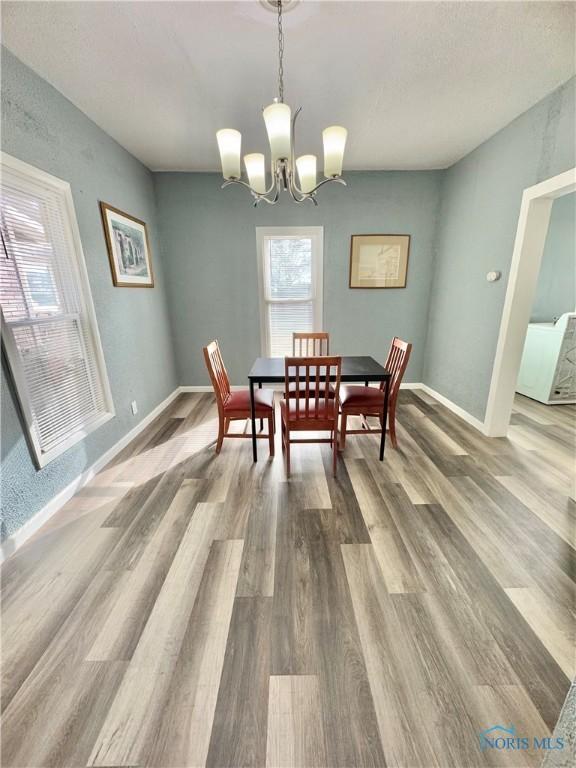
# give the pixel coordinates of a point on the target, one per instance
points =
(253, 420)
(384, 419)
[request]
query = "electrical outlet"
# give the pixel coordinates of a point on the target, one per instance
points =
(134, 406)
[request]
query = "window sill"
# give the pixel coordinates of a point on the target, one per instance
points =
(42, 458)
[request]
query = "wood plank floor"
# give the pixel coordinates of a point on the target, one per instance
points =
(185, 609)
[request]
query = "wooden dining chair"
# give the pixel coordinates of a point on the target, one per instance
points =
(310, 344)
(369, 401)
(234, 406)
(310, 408)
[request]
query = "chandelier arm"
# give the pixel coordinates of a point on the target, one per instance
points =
(305, 198)
(273, 184)
(271, 188)
(294, 192)
(258, 195)
(297, 195)
(293, 140)
(261, 198)
(338, 179)
(228, 182)
(294, 188)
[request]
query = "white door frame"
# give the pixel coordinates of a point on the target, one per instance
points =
(526, 258)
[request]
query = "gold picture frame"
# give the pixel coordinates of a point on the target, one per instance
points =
(128, 248)
(379, 261)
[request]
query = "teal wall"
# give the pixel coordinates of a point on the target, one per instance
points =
(556, 289)
(210, 237)
(481, 197)
(41, 127)
(462, 223)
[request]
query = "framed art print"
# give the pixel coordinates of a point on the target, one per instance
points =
(128, 248)
(379, 261)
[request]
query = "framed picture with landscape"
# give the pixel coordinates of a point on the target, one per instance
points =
(128, 248)
(379, 261)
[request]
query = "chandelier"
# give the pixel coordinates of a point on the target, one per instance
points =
(280, 127)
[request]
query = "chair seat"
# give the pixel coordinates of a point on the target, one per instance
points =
(359, 397)
(240, 401)
(311, 389)
(326, 411)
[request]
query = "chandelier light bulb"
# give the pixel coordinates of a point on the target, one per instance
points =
(277, 117)
(306, 165)
(256, 171)
(229, 142)
(334, 139)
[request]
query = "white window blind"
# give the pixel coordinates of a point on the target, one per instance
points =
(48, 324)
(290, 279)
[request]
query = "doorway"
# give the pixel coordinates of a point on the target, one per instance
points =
(529, 245)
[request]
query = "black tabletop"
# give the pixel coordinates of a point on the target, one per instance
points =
(270, 370)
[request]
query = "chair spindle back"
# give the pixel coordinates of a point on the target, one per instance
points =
(310, 344)
(217, 371)
(396, 363)
(316, 375)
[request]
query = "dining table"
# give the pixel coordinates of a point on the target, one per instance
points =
(355, 368)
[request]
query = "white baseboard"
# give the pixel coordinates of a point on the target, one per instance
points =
(464, 415)
(279, 387)
(17, 539)
(208, 388)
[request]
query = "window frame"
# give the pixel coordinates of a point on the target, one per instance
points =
(316, 235)
(35, 176)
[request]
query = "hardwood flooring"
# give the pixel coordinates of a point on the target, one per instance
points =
(186, 610)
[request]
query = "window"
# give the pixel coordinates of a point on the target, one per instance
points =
(290, 283)
(49, 328)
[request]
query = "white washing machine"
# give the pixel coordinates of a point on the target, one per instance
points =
(548, 367)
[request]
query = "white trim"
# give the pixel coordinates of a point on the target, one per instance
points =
(526, 258)
(316, 234)
(464, 415)
(279, 387)
(17, 539)
(209, 388)
(409, 385)
(29, 172)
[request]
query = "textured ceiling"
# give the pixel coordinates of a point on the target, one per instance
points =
(417, 84)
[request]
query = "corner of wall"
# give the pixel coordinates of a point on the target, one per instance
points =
(433, 283)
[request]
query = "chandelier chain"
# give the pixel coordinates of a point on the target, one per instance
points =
(280, 54)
